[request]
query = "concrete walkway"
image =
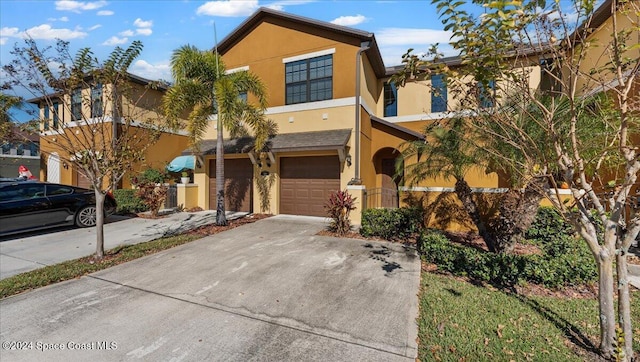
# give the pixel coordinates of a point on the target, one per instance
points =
(24, 252)
(267, 291)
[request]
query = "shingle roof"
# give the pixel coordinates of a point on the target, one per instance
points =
(285, 142)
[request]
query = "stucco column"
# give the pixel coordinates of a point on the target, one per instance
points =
(357, 191)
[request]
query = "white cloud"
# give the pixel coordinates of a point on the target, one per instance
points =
(144, 31)
(9, 31)
(126, 33)
(114, 40)
(95, 27)
(228, 8)
(79, 6)
(349, 20)
(105, 13)
(279, 5)
(64, 18)
(143, 23)
(45, 31)
(392, 55)
(3, 41)
(151, 71)
(408, 36)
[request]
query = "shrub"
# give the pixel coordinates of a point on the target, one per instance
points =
(128, 202)
(392, 224)
(338, 207)
(150, 189)
(565, 260)
(547, 225)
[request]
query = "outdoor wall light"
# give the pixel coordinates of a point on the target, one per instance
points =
(348, 159)
(65, 165)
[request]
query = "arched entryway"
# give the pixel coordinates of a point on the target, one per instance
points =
(385, 193)
(53, 168)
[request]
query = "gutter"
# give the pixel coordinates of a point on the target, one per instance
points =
(364, 46)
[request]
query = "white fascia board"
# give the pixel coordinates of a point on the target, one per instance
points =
(309, 55)
(238, 69)
(490, 190)
(331, 103)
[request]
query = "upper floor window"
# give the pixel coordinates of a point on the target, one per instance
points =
(96, 101)
(56, 117)
(76, 104)
(550, 76)
(438, 93)
(486, 96)
(309, 80)
(45, 124)
(390, 100)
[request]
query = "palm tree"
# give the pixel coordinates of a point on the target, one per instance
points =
(204, 89)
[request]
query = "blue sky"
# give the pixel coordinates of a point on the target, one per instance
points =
(163, 26)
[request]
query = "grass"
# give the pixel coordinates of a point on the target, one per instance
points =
(78, 267)
(460, 321)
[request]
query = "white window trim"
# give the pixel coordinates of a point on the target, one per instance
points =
(329, 103)
(238, 69)
(308, 55)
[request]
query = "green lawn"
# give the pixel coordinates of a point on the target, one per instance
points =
(460, 321)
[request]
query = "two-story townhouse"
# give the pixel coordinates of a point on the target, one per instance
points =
(324, 83)
(341, 125)
(100, 104)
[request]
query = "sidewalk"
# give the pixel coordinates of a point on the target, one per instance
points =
(24, 252)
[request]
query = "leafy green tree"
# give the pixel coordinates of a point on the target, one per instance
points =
(580, 129)
(105, 143)
(204, 90)
(7, 102)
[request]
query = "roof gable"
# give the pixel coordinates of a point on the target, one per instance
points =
(306, 25)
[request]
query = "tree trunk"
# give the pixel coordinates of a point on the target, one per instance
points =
(517, 211)
(99, 224)
(221, 219)
(624, 305)
(605, 301)
(463, 191)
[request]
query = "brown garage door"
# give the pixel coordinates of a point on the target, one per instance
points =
(238, 191)
(306, 183)
(82, 181)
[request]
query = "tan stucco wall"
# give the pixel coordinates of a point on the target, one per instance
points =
(277, 39)
(597, 53)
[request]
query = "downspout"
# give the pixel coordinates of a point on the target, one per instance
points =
(364, 46)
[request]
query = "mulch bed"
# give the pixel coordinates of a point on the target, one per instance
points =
(214, 229)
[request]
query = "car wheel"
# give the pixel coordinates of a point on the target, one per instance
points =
(86, 217)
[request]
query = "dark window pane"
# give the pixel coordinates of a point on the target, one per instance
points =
(438, 93)
(390, 100)
(76, 105)
(309, 80)
(53, 190)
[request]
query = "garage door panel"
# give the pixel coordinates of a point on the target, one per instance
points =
(238, 189)
(306, 184)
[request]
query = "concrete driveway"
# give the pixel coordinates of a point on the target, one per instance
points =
(24, 252)
(267, 291)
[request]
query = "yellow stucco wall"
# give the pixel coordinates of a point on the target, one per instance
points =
(277, 39)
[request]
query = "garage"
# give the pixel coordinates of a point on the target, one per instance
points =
(306, 183)
(238, 190)
(83, 181)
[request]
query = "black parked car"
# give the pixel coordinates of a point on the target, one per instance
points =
(32, 205)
